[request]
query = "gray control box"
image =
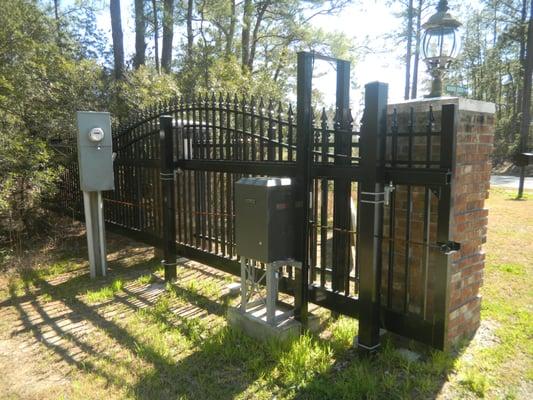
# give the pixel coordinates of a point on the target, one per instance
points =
(264, 219)
(95, 151)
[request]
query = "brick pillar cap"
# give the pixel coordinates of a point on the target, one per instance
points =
(464, 104)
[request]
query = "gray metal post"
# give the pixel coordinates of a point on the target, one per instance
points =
(244, 285)
(272, 292)
(95, 224)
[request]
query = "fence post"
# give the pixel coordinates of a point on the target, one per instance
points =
(342, 186)
(444, 218)
(304, 132)
(166, 143)
(371, 146)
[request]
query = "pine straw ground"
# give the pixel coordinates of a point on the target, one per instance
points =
(130, 336)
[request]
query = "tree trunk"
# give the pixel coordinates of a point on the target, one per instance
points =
(526, 93)
(58, 24)
(190, 33)
(245, 42)
(140, 33)
(253, 45)
(525, 121)
(522, 57)
(168, 34)
(408, 49)
(118, 40)
(414, 86)
(231, 31)
(156, 36)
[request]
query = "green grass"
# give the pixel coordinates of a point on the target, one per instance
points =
(104, 293)
(181, 347)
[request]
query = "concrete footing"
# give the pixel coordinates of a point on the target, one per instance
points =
(253, 322)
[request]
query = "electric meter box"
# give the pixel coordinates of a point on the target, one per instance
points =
(264, 219)
(95, 151)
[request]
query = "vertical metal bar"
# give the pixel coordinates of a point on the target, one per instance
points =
(101, 233)
(209, 211)
(279, 125)
(222, 215)
(216, 210)
(323, 229)
(341, 186)
(324, 202)
(252, 129)
(190, 208)
(408, 212)
(304, 131)
(392, 211)
(271, 129)
(245, 150)
(272, 292)
(229, 213)
(166, 143)
(261, 130)
(371, 214)
(290, 132)
(441, 270)
(244, 285)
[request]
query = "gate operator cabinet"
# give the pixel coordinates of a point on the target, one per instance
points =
(264, 219)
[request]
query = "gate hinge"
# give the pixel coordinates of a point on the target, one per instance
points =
(448, 247)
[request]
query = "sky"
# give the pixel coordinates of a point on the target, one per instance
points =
(366, 24)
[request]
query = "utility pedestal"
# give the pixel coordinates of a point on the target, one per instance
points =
(259, 313)
(95, 224)
(95, 160)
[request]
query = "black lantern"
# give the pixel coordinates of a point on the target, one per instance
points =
(440, 45)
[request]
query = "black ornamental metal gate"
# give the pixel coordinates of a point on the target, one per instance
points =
(360, 196)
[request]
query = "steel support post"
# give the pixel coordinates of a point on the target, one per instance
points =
(441, 271)
(342, 186)
(371, 201)
(304, 123)
(166, 142)
(244, 285)
(272, 291)
(95, 224)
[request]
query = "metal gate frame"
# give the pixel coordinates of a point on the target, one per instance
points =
(159, 212)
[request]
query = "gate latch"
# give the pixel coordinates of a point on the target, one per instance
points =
(387, 193)
(448, 247)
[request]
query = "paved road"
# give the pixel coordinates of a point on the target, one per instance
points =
(505, 181)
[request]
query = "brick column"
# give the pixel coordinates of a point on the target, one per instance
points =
(468, 217)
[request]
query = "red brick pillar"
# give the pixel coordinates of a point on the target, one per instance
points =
(471, 168)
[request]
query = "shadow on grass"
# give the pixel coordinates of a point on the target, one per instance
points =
(216, 362)
(385, 375)
(222, 363)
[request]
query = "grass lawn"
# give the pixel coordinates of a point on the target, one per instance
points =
(130, 336)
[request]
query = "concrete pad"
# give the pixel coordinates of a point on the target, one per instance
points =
(234, 289)
(253, 322)
(409, 355)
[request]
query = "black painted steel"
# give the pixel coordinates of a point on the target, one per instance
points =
(220, 139)
(371, 213)
(342, 185)
(303, 184)
(169, 198)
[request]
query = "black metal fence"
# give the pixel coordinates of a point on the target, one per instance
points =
(367, 252)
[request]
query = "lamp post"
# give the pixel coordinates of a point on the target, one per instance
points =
(439, 45)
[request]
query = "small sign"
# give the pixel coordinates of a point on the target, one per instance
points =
(456, 90)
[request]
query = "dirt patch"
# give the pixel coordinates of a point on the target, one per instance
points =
(22, 376)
